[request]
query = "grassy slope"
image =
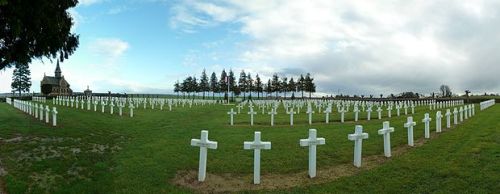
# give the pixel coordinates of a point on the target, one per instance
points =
(154, 144)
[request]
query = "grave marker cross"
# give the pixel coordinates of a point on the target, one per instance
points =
(312, 141)
(256, 145)
(203, 143)
(358, 137)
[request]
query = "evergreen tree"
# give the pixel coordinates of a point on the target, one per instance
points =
(284, 86)
(309, 84)
(195, 87)
(269, 87)
(232, 83)
(204, 85)
(213, 84)
(275, 83)
(250, 85)
(223, 83)
(258, 85)
(292, 86)
(301, 85)
(177, 88)
(242, 83)
(21, 80)
(186, 86)
(35, 29)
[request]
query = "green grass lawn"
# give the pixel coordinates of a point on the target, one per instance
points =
(92, 152)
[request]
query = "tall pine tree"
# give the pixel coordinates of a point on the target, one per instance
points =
(223, 83)
(258, 85)
(21, 79)
(204, 85)
(214, 86)
(242, 82)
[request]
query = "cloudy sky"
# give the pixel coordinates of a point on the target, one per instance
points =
(353, 47)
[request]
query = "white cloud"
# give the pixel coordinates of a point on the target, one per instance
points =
(6, 80)
(89, 2)
(364, 46)
(109, 47)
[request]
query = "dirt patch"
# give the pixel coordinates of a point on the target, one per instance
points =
(217, 183)
(2, 187)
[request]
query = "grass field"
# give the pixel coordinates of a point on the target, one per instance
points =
(92, 152)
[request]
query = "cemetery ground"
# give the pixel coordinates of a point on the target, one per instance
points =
(94, 152)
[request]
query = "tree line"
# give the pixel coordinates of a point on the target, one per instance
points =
(227, 84)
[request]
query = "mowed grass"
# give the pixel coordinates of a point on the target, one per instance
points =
(92, 152)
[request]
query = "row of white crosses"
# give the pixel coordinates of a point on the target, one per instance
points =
(95, 101)
(312, 141)
(341, 109)
(465, 111)
(8, 100)
(445, 104)
(39, 99)
(486, 104)
(37, 110)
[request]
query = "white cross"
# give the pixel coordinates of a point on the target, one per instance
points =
(409, 124)
(397, 109)
(438, 121)
(120, 108)
(327, 114)
(47, 111)
(239, 108)
(448, 120)
(131, 106)
(389, 109)
(111, 106)
(386, 132)
(54, 116)
(36, 110)
(356, 111)
(102, 106)
(312, 142)
(291, 112)
(203, 143)
(369, 113)
(461, 111)
(455, 117)
(231, 114)
(272, 113)
(40, 107)
(358, 137)
(251, 113)
(342, 112)
(379, 111)
(426, 121)
(310, 112)
(256, 145)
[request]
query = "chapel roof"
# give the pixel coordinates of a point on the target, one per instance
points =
(50, 80)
